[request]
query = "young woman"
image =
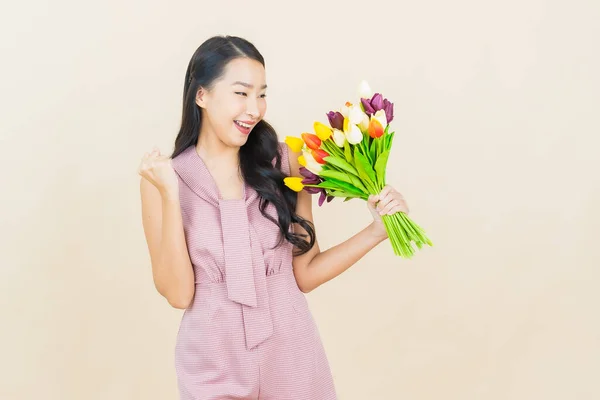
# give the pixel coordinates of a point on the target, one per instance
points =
(233, 246)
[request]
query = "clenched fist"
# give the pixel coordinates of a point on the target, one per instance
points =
(157, 169)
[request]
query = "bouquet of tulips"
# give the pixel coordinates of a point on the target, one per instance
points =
(348, 159)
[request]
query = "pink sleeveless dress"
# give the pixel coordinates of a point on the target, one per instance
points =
(248, 333)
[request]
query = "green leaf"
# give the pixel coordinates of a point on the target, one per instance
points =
(335, 184)
(341, 164)
(388, 140)
(340, 193)
(380, 167)
(348, 152)
(373, 149)
(365, 170)
(358, 183)
(343, 176)
(332, 173)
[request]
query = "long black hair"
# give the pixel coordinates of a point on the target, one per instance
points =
(256, 156)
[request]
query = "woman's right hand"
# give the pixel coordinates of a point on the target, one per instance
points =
(158, 170)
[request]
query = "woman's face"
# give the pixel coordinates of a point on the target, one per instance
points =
(236, 102)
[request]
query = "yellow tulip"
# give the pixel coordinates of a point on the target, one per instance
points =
(302, 161)
(294, 143)
(322, 130)
(294, 183)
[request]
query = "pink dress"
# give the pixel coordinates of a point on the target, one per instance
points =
(248, 333)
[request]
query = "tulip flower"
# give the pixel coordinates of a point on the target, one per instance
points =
(319, 155)
(310, 163)
(375, 128)
(302, 160)
(339, 138)
(323, 131)
(352, 132)
(364, 124)
(376, 103)
(355, 114)
(294, 143)
(312, 141)
(364, 90)
(336, 119)
(312, 179)
(353, 164)
(389, 110)
(380, 116)
(293, 183)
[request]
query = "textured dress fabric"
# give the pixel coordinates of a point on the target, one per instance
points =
(248, 333)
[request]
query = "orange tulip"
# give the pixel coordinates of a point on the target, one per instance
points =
(319, 155)
(312, 141)
(375, 128)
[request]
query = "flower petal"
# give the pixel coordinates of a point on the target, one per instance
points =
(375, 128)
(364, 124)
(293, 183)
(389, 110)
(311, 164)
(364, 90)
(336, 119)
(355, 115)
(380, 116)
(302, 160)
(339, 138)
(323, 131)
(377, 102)
(354, 135)
(367, 106)
(312, 141)
(319, 155)
(307, 174)
(322, 197)
(294, 143)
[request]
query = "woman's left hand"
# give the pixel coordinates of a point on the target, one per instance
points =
(389, 201)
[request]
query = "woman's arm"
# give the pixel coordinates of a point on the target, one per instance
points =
(314, 268)
(163, 227)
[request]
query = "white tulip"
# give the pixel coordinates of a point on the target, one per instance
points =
(339, 138)
(364, 124)
(380, 116)
(354, 135)
(311, 164)
(364, 90)
(355, 114)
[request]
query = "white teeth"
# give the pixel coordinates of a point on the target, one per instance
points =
(243, 125)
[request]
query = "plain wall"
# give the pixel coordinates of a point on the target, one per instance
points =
(496, 152)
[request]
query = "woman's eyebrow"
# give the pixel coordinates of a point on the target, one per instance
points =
(246, 84)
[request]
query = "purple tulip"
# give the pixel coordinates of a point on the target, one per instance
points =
(367, 106)
(336, 119)
(312, 179)
(324, 196)
(309, 177)
(376, 103)
(389, 110)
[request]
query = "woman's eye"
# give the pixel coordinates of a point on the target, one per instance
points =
(263, 96)
(241, 93)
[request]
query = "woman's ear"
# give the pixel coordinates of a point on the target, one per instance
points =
(201, 97)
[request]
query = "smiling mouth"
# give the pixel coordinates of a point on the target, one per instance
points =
(243, 124)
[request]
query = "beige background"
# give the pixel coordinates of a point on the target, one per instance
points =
(497, 119)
